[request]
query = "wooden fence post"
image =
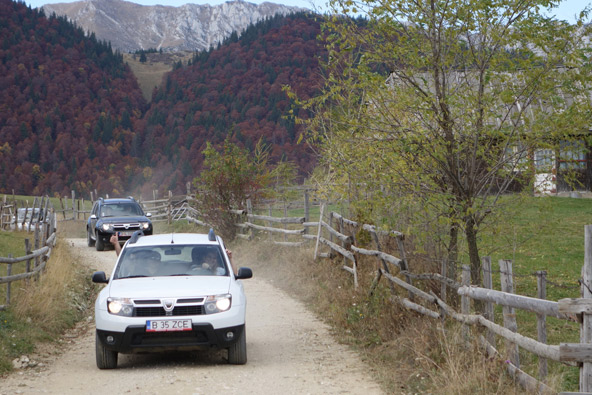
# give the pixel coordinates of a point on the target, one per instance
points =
(45, 222)
(8, 274)
(32, 214)
(63, 207)
(443, 272)
(384, 265)
(306, 210)
(73, 204)
(36, 242)
(170, 208)
(285, 215)
(465, 301)
(27, 252)
(250, 212)
(586, 324)
(488, 283)
(319, 231)
(507, 281)
(542, 320)
(330, 222)
(269, 223)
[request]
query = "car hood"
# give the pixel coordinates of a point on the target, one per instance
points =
(130, 219)
(169, 287)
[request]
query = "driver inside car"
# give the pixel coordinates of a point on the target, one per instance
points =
(141, 263)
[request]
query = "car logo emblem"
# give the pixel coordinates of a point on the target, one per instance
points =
(126, 226)
(169, 305)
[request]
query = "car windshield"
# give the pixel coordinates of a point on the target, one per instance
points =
(121, 210)
(169, 260)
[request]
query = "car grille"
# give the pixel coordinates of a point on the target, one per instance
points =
(188, 338)
(123, 227)
(158, 311)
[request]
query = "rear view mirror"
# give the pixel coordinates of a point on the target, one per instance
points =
(244, 273)
(99, 278)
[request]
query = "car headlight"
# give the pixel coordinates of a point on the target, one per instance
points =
(217, 303)
(145, 225)
(106, 227)
(120, 306)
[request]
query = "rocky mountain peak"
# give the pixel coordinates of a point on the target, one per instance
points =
(130, 27)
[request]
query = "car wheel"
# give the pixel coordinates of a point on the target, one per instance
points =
(89, 241)
(99, 244)
(106, 359)
(237, 353)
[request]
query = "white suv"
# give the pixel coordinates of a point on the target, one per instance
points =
(171, 292)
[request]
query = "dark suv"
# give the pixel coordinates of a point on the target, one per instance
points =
(124, 216)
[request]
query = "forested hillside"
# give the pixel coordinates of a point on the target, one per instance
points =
(73, 118)
(67, 106)
(235, 89)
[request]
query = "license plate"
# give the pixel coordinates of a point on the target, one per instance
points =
(126, 233)
(168, 325)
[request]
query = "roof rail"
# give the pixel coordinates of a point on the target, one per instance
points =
(137, 234)
(131, 198)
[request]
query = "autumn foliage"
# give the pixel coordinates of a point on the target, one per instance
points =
(67, 107)
(72, 116)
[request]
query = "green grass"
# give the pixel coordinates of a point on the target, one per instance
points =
(13, 243)
(543, 234)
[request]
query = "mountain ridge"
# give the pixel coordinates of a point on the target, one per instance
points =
(130, 27)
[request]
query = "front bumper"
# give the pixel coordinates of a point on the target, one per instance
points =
(135, 339)
(106, 236)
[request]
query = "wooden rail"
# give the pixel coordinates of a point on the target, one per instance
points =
(337, 234)
(37, 254)
(342, 243)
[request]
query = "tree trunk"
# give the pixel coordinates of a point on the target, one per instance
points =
(471, 235)
(453, 251)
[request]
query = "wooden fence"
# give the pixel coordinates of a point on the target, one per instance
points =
(331, 234)
(38, 252)
(334, 236)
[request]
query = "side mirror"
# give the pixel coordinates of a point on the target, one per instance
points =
(148, 215)
(99, 278)
(93, 217)
(244, 273)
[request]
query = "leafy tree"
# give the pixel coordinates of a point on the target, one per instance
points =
(228, 179)
(435, 107)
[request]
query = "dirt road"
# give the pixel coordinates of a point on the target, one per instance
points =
(289, 352)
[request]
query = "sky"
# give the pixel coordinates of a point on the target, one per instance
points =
(566, 10)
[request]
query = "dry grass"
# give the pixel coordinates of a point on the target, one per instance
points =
(408, 353)
(54, 300)
(150, 73)
(41, 310)
(72, 229)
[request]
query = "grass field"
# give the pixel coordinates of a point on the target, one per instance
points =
(149, 74)
(543, 234)
(536, 234)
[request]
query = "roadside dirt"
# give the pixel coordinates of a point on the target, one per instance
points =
(289, 352)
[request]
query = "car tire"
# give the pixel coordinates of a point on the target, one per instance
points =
(237, 353)
(106, 359)
(89, 241)
(99, 244)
